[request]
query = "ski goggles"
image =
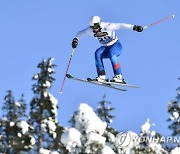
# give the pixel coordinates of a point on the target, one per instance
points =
(96, 26)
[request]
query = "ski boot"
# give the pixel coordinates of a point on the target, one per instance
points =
(101, 78)
(118, 79)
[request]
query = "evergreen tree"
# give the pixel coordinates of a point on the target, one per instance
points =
(174, 119)
(104, 109)
(14, 136)
(150, 142)
(43, 110)
(85, 137)
(103, 112)
(174, 111)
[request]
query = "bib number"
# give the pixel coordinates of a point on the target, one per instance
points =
(105, 39)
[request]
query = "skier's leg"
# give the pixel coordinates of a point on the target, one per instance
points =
(99, 61)
(114, 52)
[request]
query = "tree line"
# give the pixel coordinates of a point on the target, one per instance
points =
(39, 131)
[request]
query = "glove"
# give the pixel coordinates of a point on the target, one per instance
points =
(138, 28)
(74, 43)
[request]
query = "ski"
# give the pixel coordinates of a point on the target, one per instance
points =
(89, 80)
(120, 84)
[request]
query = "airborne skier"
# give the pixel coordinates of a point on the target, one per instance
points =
(110, 46)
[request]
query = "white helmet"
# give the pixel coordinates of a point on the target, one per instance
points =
(95, 20)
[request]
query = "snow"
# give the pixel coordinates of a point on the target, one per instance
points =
(45, 94)
(53, 99)
(11, 123)
(110, 120)
(17, 104)
(71, 138)
(91, 130)
(107, 150)
(19, 135)
(52, 128)
(86, 118)
(36, 76)
(156, 147)
(51, 125)
(111, 137)
(171, 117)
(175, 151)
(94, 137)
(54, 105)
(32, 141)
(43, 126)
(46, 151)
(47, 84)
(24, 126)
(176, 115)
(50, 70)
(51, 60)
(54, 152)
(153, 133)
(146, 127)
(88, 126)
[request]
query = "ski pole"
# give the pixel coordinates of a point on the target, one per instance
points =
(66, 71)
(159, 21)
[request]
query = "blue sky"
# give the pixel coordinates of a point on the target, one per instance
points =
(36, 29)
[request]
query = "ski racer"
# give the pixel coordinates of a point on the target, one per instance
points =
(110, 48)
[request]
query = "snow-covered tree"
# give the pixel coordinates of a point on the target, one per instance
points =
(174, 111)
(90, 134)
(174, 119)
(149, 142)
(44, 110)
(176, 150)
(86, 137)
(103, 111)
(14, 130)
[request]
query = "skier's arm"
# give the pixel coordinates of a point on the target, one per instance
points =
(84, 32)
(116, 26)
(79, 35)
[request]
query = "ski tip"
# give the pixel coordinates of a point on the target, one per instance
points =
(68, 76)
